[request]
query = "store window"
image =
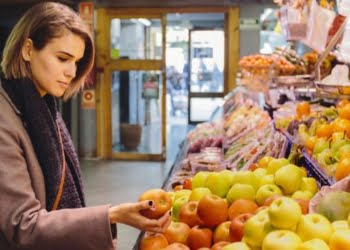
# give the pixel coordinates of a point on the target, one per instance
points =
(136, 38)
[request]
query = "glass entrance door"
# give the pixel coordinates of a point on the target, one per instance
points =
(131, 58)
(207, 57)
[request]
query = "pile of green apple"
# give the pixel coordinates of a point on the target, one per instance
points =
(282, 226)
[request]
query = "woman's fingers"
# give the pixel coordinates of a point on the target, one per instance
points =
(148, 204)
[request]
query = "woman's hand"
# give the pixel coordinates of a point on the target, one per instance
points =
(129, 214)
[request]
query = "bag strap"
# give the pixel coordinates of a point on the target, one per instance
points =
(60, 189)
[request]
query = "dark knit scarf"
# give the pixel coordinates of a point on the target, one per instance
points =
(40, 118)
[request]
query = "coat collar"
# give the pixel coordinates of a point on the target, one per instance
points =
(8, 99)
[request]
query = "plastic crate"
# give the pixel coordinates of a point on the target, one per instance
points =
(315, 170)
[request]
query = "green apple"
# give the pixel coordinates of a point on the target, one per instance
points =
(236, 246)
(281, 239)
(288, 178)
(256, 228)
(267, 179)
(276, 164)
(326, 157)
(284, 213)
(218, 183)
(198, 193)
(340, 240)
(338, 143)
(228, 175)
(304, 195)
(177, 204)
(240, 191)
(313, 226)
(265, 192)
(344, 149)
(320, 145)
(181, 193)
(199, 179)
(340, 225)
(314, 244)
(309, 184)
(259, 172)
(246, 177)
(172, 195)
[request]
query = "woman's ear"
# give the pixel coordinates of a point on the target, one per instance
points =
(27, 49)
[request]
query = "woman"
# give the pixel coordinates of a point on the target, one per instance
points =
(47, 55)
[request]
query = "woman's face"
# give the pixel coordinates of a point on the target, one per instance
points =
(54, 66)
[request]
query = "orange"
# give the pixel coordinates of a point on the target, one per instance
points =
(324, 130)
(343, 169)
(310, 143)
(341, 125)
(303, 109)
(344, 112)
(342, 103)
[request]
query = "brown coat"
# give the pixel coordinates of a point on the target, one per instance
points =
(24, 221)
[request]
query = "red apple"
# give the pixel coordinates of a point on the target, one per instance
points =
(219, 245)
(176, 246)
(162, 202)
(212, 210)
(241, 206)
(304, 205)
(188, 214)
(222, 232)
(187, 184)
(177, 232)
(237, 226)
(199, 237)
(153, 241)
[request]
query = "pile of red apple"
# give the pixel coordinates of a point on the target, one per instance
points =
(262, 209)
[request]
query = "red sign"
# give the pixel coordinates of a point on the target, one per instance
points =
(88, 99)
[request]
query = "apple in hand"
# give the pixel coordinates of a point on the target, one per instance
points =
(309, 184)
(151, 241)
(340, 240)
(241, 206)
(281, 239)
(198, 193)
(265, 192)
(212, 210)
(237, 226)
(276, 164)
(240, 191)
(177, 232)
(288, 178)
(313, 226)
(162, 202)
(314, 244)
(188, 214)
(218, 184)
(284, 213)
(256, 228)
(199, 237)
(222, 232)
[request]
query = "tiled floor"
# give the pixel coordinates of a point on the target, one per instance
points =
(114, 182)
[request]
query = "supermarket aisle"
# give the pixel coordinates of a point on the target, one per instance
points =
(114, 182)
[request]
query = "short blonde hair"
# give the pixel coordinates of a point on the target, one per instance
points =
(41, 23)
